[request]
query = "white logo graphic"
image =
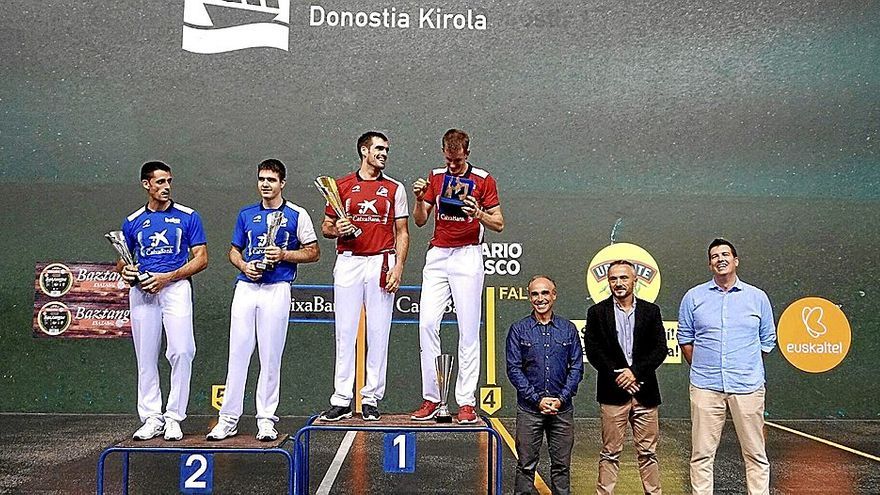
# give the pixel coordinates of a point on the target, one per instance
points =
(368, 205)
(356, 188)
(200, 35)
(382, 191)
(158, 237)
(172, 220)
(258, 218)
(146, 223)
(817, 330)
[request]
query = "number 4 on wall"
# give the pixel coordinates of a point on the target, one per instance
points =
(400, 453)
(196, 473)
(490, 399)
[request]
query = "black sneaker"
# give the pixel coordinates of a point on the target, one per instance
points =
(370, 413)
(336, 413)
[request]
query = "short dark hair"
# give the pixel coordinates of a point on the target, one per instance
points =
(273, 165)
(721, 242)
(456, 139)
(622, 262)
(148, 168)
(367, 138)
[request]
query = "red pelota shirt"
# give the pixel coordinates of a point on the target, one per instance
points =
(373, 205)
(455, 231)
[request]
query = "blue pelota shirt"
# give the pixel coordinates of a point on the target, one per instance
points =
(729, 331)
(544, 361)
(161, 240)
(249, 237)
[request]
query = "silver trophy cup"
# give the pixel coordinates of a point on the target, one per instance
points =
(117, 240)
(273, 224)
(444, 375)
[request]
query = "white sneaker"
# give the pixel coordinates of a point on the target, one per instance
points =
(152, 427)
(266, 431)
(172, 430)
(224, 429)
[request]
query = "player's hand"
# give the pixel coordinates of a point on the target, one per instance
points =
(130, 273)
(633, 389)
(420, 186)
(273, 254)
(344, 227)
(392, 281)
(251, 271)
(156, 282)
(626, 379)
(471, 208)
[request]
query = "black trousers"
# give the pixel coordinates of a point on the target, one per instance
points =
(530, 431)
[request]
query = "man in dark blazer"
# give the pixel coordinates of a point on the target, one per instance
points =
(625, 341)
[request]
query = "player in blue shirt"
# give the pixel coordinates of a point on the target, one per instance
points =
(261, 304)
(169, 243)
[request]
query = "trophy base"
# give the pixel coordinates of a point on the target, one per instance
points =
(141, 278)
(443, 419)
(264, 266)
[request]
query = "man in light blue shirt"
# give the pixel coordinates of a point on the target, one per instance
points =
(725, 327)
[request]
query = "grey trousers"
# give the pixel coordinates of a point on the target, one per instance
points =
(530, 431)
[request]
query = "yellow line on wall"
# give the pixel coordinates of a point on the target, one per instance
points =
(360, 361)
(542, 487)
(822, 440)
(490, 335)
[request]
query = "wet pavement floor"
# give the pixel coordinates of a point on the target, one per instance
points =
(59, 454)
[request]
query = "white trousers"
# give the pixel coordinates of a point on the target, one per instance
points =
(260, 316)
(356, 284)
(171, 308)
(455, 273)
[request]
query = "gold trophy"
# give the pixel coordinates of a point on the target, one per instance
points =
(117, 240)
(444, 375)
(327, 187)
(273, 224)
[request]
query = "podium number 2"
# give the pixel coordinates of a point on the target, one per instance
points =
(196, 473)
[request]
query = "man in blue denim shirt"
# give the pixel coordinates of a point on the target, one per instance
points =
(545, 363)
(725, 327)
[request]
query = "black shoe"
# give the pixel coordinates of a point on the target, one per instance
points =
(336, 413)
(370, 413)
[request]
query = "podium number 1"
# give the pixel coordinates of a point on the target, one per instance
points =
(400, 453)
(400, 442)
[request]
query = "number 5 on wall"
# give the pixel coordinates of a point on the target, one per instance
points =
(196, 473)
(400, 453)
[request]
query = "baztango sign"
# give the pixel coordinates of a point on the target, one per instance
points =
(80, 300)
(647, 271)
(814, 335)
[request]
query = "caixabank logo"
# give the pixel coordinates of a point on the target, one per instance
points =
(269, 28)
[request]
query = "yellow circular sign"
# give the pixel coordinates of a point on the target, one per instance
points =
(814, 334)
(647, 271)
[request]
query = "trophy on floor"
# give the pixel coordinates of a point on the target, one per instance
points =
(273, 224)
(117, 240)
(444, 374)
(327, 187)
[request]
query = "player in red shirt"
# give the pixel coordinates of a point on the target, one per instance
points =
(367, 273)
(465, 201)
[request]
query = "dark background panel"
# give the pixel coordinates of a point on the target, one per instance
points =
(682, 120)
